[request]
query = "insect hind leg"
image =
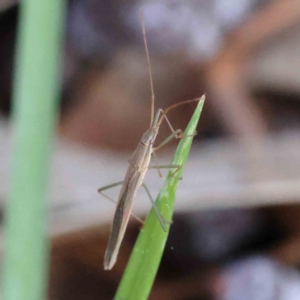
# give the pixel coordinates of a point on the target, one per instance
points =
(107, 187)
(161, 219)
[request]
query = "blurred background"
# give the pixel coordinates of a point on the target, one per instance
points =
(236, 232)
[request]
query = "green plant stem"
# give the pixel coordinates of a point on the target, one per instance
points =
(36, 87)
(145, 258)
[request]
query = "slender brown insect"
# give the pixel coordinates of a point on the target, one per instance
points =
(138, 166)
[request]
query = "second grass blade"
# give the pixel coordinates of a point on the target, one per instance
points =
(145, 258)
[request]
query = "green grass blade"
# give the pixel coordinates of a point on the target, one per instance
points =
(145, 258)
(35, 102)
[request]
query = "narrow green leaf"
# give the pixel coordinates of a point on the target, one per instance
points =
(35, 104)
(146, 256)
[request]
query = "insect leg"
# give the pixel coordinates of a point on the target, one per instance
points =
(177, 167)
(115, 202)
(156, 166)
(106, 187)
(161, 219)
(168, 139)
(179, 134)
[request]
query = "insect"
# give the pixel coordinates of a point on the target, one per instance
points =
(138, 166)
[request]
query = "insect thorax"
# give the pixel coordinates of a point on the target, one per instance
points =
(149, 136)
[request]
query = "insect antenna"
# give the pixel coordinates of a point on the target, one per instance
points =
(149, 67)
